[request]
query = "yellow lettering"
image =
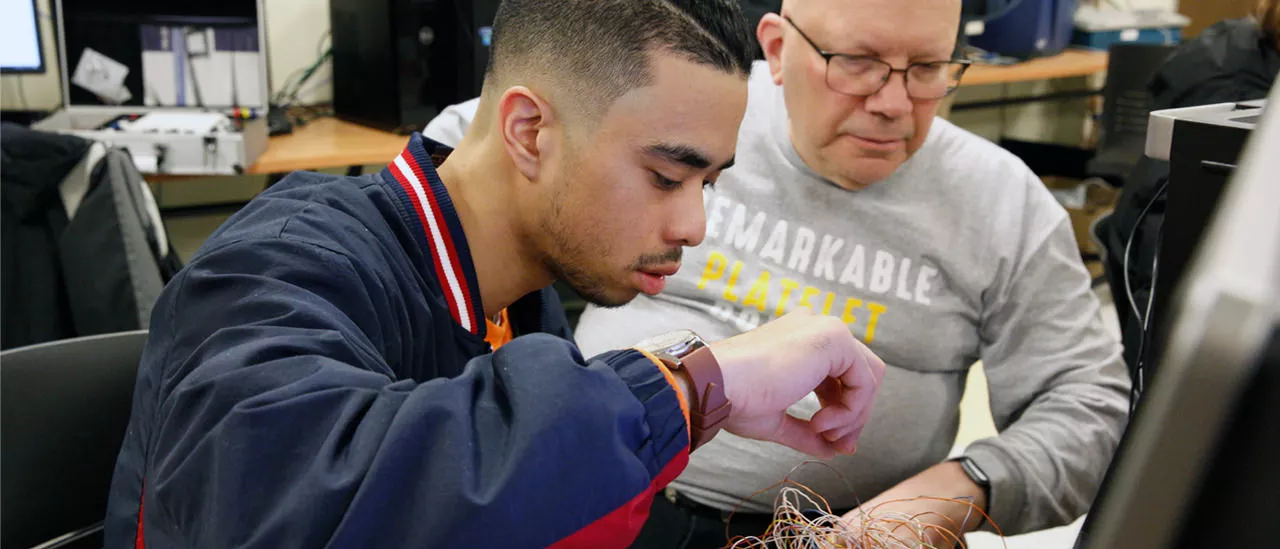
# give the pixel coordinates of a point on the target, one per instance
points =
(826, 305)
(758, 295)
(787, 285)
(876, 310)
(733, 281)
(714, 270)
(847, 316)
(809, 291)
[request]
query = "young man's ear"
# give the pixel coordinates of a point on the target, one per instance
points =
(522, 116)
(769, 35)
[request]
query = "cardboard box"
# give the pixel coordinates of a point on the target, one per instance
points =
(1085, 201)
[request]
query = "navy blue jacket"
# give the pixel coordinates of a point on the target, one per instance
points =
(318, 376)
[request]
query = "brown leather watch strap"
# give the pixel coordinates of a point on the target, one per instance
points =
(709, 407)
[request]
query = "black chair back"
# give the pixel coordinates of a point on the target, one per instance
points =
(1126, 108)
(64, 408)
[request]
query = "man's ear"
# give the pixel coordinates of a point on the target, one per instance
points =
(522, 116)
(769, 34)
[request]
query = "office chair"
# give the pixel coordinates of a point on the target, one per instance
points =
(64, 408)
(1126, 107)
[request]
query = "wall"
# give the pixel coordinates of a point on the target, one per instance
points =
(1207, 12)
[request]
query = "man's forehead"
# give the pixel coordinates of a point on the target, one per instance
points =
(879, 27)
(686, 106)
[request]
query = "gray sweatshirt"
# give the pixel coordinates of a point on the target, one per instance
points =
(961, 255)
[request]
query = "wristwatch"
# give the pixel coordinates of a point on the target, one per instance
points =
(709, 407)
(978, 476)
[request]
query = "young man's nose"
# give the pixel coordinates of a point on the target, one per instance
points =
(688, 224)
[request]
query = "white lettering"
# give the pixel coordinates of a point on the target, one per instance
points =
(855, 270)
(882, 272)
(825, 265)
(801, 250)
(775, 246)
(744, 238)
(903, 292)
(716, 215)
(924, 283)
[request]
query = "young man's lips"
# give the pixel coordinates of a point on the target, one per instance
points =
(649, 283)
(665, 270)
(653, 280)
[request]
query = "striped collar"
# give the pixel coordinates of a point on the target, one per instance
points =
(429, 208)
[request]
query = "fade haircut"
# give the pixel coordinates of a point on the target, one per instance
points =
(595, 51)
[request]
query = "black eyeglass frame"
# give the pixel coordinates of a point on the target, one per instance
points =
(961, 64)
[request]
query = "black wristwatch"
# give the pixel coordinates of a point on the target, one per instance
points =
(978, 476)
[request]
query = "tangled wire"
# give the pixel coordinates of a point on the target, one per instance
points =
(803, 520)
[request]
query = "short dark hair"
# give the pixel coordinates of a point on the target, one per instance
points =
(600, 48)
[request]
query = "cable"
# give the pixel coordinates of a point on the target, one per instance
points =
(1139, 385)
(1128, 288)
(289, 92)
(292, 88)
(1143, 318)
(22, 92)
(320, 49)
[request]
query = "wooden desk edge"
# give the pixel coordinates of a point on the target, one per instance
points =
(1078, 62)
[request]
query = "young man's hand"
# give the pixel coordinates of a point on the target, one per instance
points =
(772, 367)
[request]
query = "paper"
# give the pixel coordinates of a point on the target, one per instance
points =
(209, 67)
(102, 75)
(200, 123)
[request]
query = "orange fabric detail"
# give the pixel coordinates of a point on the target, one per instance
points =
(498, 334)
(671, 378)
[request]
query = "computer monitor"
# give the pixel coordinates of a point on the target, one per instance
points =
(1198, 466)
(20, 48)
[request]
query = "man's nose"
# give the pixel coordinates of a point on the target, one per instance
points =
(688, 224)
(892, 100)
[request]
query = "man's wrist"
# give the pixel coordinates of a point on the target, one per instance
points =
(706, 405)
(980, 488)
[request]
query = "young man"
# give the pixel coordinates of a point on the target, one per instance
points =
(936, 247)
(322, 373)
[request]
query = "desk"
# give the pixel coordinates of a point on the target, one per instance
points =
(328, 143)
(1068, 64)
(323, 143)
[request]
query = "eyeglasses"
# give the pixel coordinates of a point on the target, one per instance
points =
(864, 75)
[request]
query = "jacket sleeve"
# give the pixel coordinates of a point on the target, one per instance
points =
(279, 423)
(1059, 388)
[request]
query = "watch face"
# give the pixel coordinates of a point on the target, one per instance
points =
(676, 344)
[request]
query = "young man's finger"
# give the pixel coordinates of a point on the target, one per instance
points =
(797, 434)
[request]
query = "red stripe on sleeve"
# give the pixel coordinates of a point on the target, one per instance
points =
(140, 542)
(621, 526)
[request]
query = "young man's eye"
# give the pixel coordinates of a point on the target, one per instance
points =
(664, 183)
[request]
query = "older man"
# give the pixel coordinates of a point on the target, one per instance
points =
(936, 247)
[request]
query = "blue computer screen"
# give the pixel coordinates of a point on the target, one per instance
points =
(20, 37)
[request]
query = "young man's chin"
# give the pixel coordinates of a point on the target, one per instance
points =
(607, 298)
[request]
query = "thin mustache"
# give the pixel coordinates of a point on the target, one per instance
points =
(671, 256)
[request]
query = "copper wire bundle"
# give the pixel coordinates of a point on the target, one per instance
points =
(803, 520)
